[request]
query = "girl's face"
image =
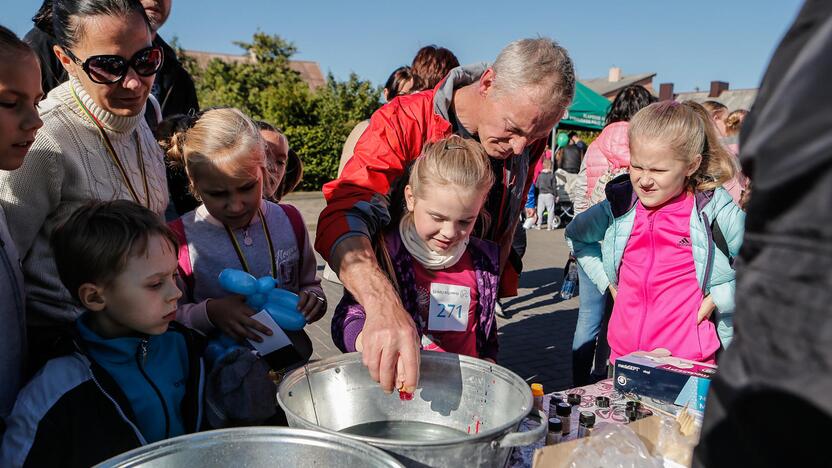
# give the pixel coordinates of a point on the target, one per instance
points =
(232, 200)
(278, 152)
(657, 175)
(444, 215)
(112, 35)
(20, 94)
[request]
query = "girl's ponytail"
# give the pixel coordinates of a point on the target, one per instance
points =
(171, 137)
(718, 164)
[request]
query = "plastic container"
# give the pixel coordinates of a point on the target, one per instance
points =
(564, 412)
(537, 396)
(586, 423)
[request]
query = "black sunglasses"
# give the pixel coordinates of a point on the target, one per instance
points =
(109, 69)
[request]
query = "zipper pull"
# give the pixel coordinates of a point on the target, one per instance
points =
(143, 350)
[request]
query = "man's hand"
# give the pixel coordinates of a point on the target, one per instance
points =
(389, 341)
(706, 309)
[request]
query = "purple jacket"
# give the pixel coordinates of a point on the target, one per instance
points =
(348, 320)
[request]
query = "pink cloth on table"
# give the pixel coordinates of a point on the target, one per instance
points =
(658, 293)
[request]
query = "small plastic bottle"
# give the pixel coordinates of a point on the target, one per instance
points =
(567, 290)
(587, 423)
(537, 396)
(555, 434)
(564, 412)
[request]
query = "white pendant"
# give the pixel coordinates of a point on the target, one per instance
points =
(248, 241)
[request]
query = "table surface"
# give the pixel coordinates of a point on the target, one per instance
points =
(522, 456)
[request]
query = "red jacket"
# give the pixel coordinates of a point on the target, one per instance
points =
(397, 132)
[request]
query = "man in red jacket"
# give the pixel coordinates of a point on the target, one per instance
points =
(509, 107)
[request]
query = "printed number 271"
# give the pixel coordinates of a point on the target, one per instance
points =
(448, 310)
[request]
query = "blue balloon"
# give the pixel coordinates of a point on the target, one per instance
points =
(238, 282)
(257, 300)
(287, 319)
(265, 284)
(283, 298)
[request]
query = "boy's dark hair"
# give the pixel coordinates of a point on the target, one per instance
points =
(10, 43)
(628, 102)
(94, 244)
(66, 29)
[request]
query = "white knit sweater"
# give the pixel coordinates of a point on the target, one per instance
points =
(67, 166)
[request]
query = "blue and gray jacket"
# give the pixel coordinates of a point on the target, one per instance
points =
(77, 412)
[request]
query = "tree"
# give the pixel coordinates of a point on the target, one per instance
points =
(265, 87)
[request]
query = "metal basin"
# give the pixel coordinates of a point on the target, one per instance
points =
(255, 447)
(464, 413)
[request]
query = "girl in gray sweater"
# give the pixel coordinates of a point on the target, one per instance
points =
(224, 155)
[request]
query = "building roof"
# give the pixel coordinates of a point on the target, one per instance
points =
(604, 86)
(310, 72)
(732, 98)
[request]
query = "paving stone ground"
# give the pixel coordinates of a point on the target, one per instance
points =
(536, 338)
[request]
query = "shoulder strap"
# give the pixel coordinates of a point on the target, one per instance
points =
(185, 270)
(298, 227)
(720, 242)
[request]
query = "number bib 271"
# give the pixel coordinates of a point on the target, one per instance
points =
(449, 305)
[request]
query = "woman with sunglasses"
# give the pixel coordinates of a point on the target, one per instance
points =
(94, 145)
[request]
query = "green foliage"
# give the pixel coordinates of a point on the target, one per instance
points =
(316, 122)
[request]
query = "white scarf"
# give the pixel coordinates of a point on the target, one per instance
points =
(419, 250)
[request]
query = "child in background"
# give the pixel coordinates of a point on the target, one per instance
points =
(446, 279)
(660, 256)
(224, 156)
(132, 377)
(547, 187)
(20, 94)
(283, 162)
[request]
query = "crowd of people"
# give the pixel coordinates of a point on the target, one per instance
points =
(122, 203)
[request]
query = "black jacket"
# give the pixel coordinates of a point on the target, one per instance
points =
(77, 416)
(571, 159)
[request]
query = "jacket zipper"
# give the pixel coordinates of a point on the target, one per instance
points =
(709, 263)
(141, 358)
(652, 259)
(139, 435)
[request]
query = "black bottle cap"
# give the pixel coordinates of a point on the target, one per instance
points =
(555, 425)
(602, 402)
(573, 399)
(564, 409)
(587, 418)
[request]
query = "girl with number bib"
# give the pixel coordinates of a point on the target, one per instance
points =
(669, 232)
(445, 278)
(225, 157)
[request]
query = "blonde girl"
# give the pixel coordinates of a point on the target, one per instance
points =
(446, 279)
(224, 156)
(670, 232)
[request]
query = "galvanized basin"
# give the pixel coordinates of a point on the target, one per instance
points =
(467, 409)
(255, 447)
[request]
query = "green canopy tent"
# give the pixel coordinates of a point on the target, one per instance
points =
(588, 110)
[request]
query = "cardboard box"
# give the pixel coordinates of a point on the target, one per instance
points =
(556, 456)
(672, 380)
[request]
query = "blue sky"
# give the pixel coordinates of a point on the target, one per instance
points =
(687, 43)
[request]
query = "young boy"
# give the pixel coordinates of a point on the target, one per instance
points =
(134, 376)
(20, 93)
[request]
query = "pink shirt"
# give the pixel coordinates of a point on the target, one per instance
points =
(658, 293)
(463, 277)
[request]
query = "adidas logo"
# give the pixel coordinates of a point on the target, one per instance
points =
(684, 242)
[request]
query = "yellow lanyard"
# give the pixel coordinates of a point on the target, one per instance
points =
(239, 251)
(114, 157)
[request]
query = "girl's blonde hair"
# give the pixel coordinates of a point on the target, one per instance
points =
(221, 138)
(455, 162)
(687, 129)
(733, 123)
